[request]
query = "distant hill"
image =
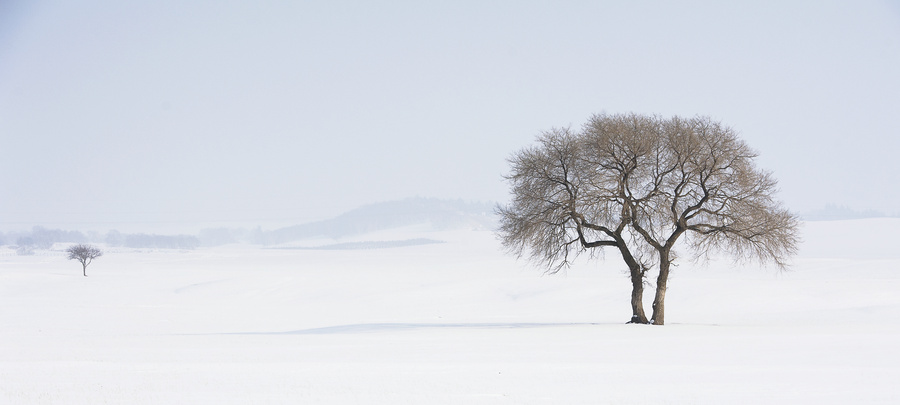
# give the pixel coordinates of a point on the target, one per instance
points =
(439, 214)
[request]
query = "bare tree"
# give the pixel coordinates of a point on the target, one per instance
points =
(705, 185)
(638, 183)
(563, 206)
(84, 254)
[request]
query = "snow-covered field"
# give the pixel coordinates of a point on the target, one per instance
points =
(457, 323)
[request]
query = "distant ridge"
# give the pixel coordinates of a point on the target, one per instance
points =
(438, 214)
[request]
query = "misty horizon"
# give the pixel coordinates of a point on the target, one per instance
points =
(436, 213)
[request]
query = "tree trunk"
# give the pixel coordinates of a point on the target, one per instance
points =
(637, 284)
(84, 269)
(659, 302)
(637, 297)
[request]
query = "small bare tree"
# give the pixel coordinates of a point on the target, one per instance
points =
(84, 254)
(563, 206)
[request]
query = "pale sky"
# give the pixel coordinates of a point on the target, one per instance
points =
(174, 113)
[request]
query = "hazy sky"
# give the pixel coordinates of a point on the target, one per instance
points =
(166, 113)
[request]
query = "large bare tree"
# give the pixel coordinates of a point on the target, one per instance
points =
(563, 206)
(638, 183)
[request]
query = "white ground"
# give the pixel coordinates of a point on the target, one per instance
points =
(458, 322)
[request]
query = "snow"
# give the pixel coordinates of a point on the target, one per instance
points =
(457, 322)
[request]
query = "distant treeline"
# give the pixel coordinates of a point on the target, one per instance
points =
(141, 240)
(43, 238)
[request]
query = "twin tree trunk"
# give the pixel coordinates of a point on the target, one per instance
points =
(637, 296)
